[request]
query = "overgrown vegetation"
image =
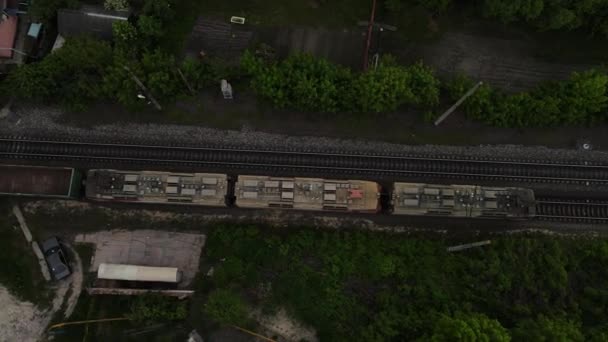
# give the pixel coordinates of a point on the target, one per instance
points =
(541, 14)
(87, 70)
(20, 271)
(157, 308)
(581, 100)
(307, 83)
(374, 287)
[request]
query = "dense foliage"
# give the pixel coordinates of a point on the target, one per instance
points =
(70, 76)
(306, 83)
(159, 308)
(373, 287)
(551, 14)
(578, 101)
(541, 14)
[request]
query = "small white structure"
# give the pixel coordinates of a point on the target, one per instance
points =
(226, 90)
(237, 20)
(138, 273)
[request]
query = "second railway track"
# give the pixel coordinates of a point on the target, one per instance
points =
(18, 148)
(559, 209)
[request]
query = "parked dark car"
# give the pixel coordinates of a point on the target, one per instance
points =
(55, 257)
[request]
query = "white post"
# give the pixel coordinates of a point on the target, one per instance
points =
(458, 103)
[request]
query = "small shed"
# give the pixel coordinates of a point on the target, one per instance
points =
(89, 19)
(138, 273)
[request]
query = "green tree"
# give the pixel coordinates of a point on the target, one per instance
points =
(161, 76)
(388, 87)
(469, 328)
(226, 307)
(149, 26)
(71, 76)
(118, 83)
(127, 40)
(199, 74)
(546, 329)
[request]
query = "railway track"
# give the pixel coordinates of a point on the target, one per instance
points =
(559, 209)
(343, 164)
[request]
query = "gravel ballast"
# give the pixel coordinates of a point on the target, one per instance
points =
(44, 122)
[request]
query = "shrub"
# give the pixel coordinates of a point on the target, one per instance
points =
(155, 307)
(70, 76)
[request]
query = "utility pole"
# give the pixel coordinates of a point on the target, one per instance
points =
(459, 248)
(458, 103)
(368, 42)
(143, 87)
(185, 81)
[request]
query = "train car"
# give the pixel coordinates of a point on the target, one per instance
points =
(462, 201)
(204, 189)
(313, 194)
(40, 181)
(138, 273)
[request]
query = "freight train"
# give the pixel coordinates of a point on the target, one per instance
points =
(308, 194)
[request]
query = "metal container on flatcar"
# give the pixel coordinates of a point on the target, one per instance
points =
(470, 201)
(205, 189)
(40, 181)
(314, 194)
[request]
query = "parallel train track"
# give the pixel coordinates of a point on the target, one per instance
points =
(559, 209)
(343, 164)
(330, 163)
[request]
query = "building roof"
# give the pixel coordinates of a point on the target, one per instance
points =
(8, 31)
(93, 20)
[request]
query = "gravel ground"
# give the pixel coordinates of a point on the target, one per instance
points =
(23, 321)
(19, 321)
(44, 122)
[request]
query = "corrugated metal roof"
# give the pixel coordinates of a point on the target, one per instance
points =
(8, 30)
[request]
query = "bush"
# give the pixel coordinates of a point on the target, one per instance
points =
(581, 100)
(311, 84)
(226, 307)
(157, 308)
(71, 76)
(301, 82)
(354, 286)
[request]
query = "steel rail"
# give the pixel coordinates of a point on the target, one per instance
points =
(307, 153)
(572, 210)
(328, 168)
(331, 162)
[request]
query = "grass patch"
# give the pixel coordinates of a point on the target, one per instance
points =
(23, 277)
(99, 307)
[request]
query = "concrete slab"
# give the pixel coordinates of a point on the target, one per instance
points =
(147, 248)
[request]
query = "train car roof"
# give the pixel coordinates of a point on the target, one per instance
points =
(306, 193)
(157, 186)
(460, 200)
(36, 180)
